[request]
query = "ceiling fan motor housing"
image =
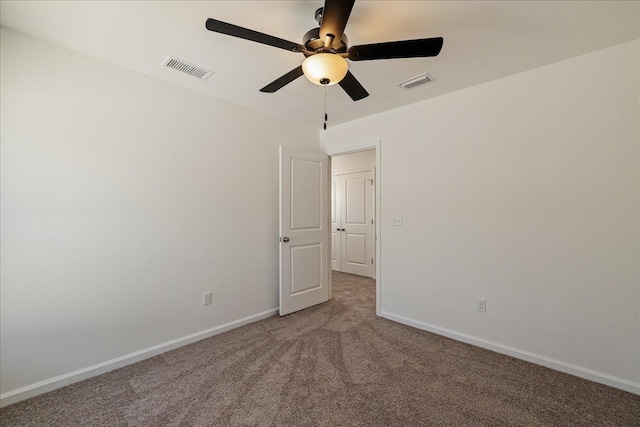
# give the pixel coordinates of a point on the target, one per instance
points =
(313, 43)
(318, 15)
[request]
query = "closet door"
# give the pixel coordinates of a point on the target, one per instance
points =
(336, 223)
(357, 223)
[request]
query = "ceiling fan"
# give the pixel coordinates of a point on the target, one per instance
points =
(326, 48)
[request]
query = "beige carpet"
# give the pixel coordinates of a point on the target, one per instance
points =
(335, 364)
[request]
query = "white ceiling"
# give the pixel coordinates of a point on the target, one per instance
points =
(483, 41)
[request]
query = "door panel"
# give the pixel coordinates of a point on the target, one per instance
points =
(357, 213)
(304, 229)
(335, 181)
(336, 223)
(336, 259)
(306, 194)
(306, 268)
(356, 192)
(356, 249)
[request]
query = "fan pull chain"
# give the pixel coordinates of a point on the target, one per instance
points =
(325, 109)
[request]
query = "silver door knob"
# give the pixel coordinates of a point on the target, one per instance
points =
(285, 239)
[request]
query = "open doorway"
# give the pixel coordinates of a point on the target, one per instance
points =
(305, 238)
(355, 214)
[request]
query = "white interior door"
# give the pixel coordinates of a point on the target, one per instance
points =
(357, 222)
(336, 223)
(304, 229)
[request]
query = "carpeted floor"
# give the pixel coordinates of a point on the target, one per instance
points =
(335, 364)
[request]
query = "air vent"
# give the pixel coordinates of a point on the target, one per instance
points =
(185, 67)
(417, 81)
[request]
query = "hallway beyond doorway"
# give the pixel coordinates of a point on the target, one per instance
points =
(353, 193)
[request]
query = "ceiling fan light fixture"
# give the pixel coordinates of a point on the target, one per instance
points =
(325, 69)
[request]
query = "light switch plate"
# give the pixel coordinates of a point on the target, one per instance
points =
(397, 220)
(206, 298)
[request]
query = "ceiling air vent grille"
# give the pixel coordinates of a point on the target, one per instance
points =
(417, 81)
(185, 67)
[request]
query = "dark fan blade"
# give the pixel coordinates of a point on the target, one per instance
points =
(334, 18)
(283, 81)
(247, 34)
(352, 86)
(402, 49)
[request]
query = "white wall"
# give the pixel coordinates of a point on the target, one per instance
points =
(360, 161)
(523, 191)
(124, 198)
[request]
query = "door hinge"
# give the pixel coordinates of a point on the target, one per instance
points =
(371, 181)
(371, 221)
(371, 260)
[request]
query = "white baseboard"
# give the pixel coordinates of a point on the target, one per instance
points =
(548, 362)
(82, 374)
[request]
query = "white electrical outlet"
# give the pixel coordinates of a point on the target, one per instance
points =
(397, 221)
(206, 298)
(482, 305)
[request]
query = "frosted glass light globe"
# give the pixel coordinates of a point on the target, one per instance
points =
(325, 69)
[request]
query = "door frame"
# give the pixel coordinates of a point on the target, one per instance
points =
(354, 148)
